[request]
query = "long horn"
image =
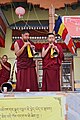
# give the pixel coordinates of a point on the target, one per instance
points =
(29, 51)
(8, 85)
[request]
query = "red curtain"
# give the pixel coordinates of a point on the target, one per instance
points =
(2, 42)
(3, 25)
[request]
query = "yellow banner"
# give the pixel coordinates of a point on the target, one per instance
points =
(32, 108)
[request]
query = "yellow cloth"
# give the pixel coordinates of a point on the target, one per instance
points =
(29, 51)
(52, 51)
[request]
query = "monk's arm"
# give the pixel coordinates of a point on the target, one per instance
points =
(19, 51)
(8, 68)
(44, 51)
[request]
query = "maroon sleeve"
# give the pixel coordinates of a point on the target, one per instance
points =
(45, 45)
(20, 43)
(61, 55)
(9, 65)
(5, 72)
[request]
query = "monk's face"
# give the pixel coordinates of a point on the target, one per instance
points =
(25, 36)
(51, 38)
(4, 59)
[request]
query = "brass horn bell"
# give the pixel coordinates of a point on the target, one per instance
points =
(55, 53)
(8, 86)
(34, 52)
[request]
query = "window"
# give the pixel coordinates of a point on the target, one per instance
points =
(67, 75)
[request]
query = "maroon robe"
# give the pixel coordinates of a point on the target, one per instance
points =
(51, 70)
(4, 73)
(26, 72)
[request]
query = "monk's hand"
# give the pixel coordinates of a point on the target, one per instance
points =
(56, 48)
(53, 46)
(32, 46)
(26, 44)
(50, 45)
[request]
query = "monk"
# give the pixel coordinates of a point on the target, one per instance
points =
(5, 69)
(52, 56)
(26, 72)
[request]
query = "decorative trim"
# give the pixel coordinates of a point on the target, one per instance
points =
(33, 28)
